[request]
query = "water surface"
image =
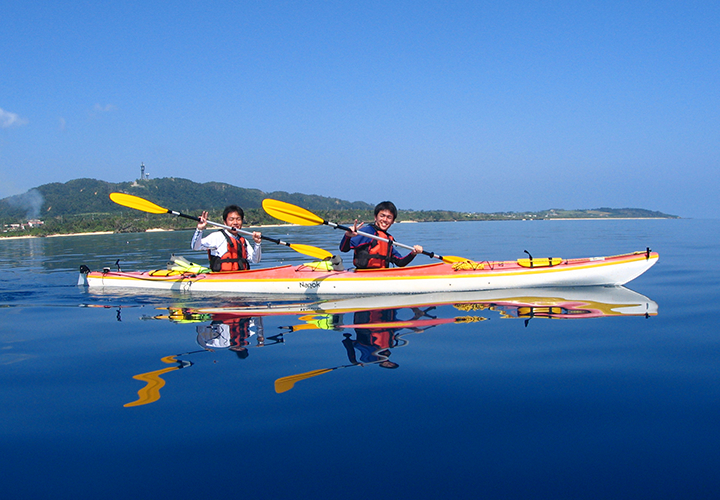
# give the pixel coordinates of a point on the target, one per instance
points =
(485, 398)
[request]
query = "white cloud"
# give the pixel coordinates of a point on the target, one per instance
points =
(104, 109)
(8, 119)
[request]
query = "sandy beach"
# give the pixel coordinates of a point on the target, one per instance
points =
(151, 230)
(28, 236)
(604, 218)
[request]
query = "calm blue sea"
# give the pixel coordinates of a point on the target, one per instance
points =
(564, 394)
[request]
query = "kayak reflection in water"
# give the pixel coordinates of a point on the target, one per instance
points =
(231, 333)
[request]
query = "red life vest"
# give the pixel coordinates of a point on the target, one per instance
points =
(380, 251)
(235, 259)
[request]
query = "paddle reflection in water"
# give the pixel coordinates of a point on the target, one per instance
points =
(154, 382)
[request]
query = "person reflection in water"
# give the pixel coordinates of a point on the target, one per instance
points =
(374, 344)
(231, 333)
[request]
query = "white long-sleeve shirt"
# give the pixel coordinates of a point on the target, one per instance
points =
(217, 244)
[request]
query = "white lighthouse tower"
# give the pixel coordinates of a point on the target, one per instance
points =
(143, 175)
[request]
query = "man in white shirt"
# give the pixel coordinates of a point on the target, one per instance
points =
(227, 250)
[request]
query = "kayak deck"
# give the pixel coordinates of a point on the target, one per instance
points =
(304, 280)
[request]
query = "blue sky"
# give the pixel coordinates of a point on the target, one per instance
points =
(475, 106)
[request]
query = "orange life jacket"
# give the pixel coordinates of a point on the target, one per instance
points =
(380, 251)
(235, 259)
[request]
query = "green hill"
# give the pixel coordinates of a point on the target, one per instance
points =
(83, 205)
(90, 196)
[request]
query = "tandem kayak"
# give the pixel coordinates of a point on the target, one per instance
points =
(314, 281)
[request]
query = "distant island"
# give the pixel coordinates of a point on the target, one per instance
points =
(83, 205)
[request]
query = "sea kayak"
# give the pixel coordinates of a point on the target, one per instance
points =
(317, 281)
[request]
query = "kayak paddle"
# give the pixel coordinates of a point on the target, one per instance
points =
(296, 215)
(131, 201)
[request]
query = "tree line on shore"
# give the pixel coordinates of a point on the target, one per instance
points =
(83, 205)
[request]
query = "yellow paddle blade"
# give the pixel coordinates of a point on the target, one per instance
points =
(318, 253)
(284, 384)
(452, 259)
(290, 213)
(130, 201)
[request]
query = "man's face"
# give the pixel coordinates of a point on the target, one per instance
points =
(384, 219)
(234, 220)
